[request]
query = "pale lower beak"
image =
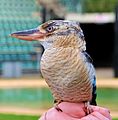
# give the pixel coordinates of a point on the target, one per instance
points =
(32, 34)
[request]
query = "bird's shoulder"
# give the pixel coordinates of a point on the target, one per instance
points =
(87, 57)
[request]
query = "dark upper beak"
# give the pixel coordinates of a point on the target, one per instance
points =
(32, 34)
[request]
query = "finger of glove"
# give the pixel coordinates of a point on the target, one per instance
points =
(100, 116)
(103, 111)
(89, 117)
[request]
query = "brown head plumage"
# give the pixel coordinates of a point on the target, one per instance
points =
(56, 33)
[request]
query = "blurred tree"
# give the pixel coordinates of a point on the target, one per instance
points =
(51, 9)
(99, 5)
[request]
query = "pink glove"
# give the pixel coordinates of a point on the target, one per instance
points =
(74, 111)
(98, 113)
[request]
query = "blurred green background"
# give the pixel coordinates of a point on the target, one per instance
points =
(41, 98)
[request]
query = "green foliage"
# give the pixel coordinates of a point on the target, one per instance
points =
(99, 5)
(108, 97)
(17, 117)
(26, 97)
(41, 98)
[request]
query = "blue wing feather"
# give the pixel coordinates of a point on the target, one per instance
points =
(92, 75)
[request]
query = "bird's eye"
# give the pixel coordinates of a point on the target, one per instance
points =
(50, 29)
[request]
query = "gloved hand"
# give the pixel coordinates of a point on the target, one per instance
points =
(75, 111)
(98, 113)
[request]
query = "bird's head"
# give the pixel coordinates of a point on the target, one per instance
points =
(55, 33)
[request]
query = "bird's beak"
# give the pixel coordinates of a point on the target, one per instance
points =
(32, 34)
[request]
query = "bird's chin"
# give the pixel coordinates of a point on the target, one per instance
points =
(41, 39)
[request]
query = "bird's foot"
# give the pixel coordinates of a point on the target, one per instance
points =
(57, 102)
(88, 108)
(58, 108)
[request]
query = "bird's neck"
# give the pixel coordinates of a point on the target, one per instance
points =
(69, 42)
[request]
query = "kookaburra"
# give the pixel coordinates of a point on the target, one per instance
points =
(65, 64)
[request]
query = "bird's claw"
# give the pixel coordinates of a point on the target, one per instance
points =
(88, 108)
(58, 109)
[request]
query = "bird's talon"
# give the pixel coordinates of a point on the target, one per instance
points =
(88, 109)
(58, 109)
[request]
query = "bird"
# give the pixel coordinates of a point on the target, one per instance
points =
(65, 65)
